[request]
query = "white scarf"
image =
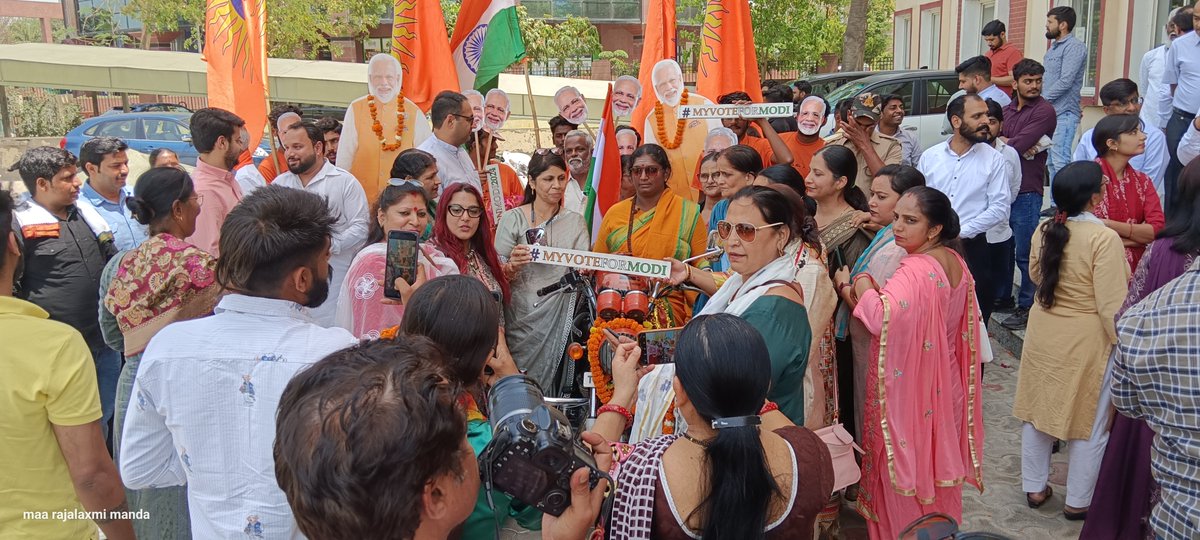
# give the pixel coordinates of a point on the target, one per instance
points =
(738, 293)
(31, 214)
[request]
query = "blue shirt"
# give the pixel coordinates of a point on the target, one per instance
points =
(1064, 64)
(127, 232)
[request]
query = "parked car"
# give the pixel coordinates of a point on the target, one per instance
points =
(145, 132)
(151, 107)
(825, 83)
(926, 94)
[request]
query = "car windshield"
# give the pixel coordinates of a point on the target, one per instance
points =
(845, 91)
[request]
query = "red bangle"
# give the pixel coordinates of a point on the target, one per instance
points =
(768, 407)
(617, 409)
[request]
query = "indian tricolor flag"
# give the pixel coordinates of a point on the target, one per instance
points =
(486, 41)
(604, 179)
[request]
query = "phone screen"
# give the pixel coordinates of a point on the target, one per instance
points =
(658, 346)
(401, 261)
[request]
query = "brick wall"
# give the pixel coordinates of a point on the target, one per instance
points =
(1017, 20)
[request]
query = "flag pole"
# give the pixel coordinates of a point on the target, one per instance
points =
(537, 127)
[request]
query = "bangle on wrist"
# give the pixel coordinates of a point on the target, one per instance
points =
(842, 286)
(689, 276)
(610, 407)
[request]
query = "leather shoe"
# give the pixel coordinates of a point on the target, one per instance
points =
(1017, 320)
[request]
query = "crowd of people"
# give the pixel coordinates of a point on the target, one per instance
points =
(212, 352)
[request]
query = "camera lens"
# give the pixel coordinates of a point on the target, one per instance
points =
(556, 499)
(513, 396)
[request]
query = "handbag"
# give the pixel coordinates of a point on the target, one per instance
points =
(846, 471)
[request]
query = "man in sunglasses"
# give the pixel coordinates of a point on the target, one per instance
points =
(1121, 97)
(452, 120)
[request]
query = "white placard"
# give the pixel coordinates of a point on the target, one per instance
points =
(751, 110)
(495, 191)
(587, 260)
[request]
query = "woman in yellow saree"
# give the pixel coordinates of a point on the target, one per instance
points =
(655, 224)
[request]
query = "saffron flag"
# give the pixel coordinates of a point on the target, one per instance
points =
(485, 42)
(658, 44)
(235, 48)
(419, 42)
(728, 62)
(604, 178)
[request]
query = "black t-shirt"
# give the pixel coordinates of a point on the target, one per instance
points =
(62, 275)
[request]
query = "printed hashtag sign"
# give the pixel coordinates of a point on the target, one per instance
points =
(535, 254)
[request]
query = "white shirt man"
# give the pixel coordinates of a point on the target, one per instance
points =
(203, 412)
(1012, 164)
(1150, 77)
(348, 202)
(454, 165)
(977, 180)
(1182, 70)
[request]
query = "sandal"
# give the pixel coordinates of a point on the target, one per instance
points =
(1079, 515)
(1044, 495)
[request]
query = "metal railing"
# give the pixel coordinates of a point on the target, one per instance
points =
(596, 10)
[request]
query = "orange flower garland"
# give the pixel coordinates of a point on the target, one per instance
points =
(661, 130)
(389, 333)
(378, 128)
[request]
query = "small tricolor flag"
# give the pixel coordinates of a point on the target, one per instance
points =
(604, 178)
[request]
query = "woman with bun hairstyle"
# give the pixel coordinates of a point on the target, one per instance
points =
(163, 280)
(923, 416)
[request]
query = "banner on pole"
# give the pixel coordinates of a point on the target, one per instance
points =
(604, 262)
(495, 191)
(751, 110)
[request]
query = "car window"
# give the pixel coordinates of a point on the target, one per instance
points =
(903, 89)
(162, 129)
(845, 91)
(937, 94)
(124, 129)
(91, 130)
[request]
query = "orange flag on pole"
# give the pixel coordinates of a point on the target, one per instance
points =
(657, 44)
(235, 48)
(420, 43)
(728, 62)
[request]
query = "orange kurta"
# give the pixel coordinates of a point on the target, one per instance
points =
(372, 164)
(683, 159)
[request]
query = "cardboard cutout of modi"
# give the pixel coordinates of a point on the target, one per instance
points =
(571, 105)
(627, 93)
(683, 139)
(368, 152)
(495, 109)
(476, 101)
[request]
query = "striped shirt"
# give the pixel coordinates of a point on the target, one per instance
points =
(1155, 377)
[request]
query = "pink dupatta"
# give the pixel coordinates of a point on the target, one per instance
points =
(361, 308)
(929, 410)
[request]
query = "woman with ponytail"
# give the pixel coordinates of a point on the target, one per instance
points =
(1080, 268)
(163, 280)
(923, 415)
(740, 470)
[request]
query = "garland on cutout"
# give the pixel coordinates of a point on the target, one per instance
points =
(660, 128)
(378, 128)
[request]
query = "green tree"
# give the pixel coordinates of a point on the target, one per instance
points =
(25, 30)
(161, 16)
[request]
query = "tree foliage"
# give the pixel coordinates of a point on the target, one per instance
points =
(25, 30)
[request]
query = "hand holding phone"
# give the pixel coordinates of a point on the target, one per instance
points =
(402, 253)
(658, 346)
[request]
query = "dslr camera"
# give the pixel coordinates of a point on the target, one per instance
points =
(533, 451)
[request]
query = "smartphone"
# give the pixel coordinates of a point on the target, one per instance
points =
(401, 261)
(658, 346)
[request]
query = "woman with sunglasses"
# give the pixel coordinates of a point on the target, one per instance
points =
(420, 167)
(879, 261)
(1130, 205)
(538, 328)
(362, 307)
(655, 224)
(923, 419)
(763, 222)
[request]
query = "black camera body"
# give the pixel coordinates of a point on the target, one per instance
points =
(533, 452)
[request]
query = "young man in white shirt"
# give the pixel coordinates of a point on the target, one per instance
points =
(1121, 96)
(207, 390)
(974, 176)
(975, 77)
(452, 118)
(1003, 233)
(308, 169)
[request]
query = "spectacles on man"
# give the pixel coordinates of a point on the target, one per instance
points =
(457, 211)
(745, 231)
(468, 118)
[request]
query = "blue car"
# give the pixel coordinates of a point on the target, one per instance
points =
(144, 132)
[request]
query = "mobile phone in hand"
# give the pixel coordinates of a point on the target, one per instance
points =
(402, 256)
(658, 346)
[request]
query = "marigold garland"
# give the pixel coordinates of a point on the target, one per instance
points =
(378, 128)
(389, 333)
(660, 128)
(603, 382)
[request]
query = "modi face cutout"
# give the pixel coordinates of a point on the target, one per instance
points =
(476, 101)
(383, 77)
(627, 92)
(571, 105)
(495, 109)
(667, 78)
